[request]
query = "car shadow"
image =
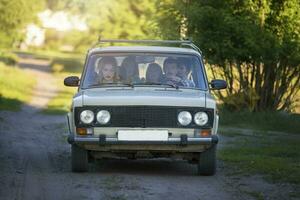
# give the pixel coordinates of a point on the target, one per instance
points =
(161, 167)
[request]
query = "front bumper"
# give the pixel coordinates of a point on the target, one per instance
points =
(103, 140)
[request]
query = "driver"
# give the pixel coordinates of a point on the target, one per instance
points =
(170, 70)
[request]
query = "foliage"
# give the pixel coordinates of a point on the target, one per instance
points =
(60, 104)
(255, 44)
(241, 101)
(14, 15)
(66, 65)
(119, 19)
(12, 83)
(8, 58)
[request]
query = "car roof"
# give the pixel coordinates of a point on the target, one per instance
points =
(156, 49)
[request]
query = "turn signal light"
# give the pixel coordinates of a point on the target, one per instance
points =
(205, 132)
(81, 131)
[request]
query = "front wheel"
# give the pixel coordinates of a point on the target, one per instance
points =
(79, 159)
(208, 162)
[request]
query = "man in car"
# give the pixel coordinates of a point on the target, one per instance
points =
(170, 68)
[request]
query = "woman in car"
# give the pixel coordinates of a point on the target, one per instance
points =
(107, 70)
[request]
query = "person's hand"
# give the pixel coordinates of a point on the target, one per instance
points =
(175, 78)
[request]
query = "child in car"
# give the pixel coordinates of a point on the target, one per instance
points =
(129, 70)
(183, 72)
(154, 73)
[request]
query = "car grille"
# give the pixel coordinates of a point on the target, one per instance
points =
(142, 116)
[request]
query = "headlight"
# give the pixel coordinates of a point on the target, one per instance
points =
(201, 118)
(87, 116)
(103, 116)
(184, 118)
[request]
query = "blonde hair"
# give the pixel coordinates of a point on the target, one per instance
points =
(107, 60)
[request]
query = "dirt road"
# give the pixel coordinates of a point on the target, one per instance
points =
(35, 164)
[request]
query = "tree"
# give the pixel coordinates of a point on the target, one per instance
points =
(14, 15)
(118, 19)
(254, 45)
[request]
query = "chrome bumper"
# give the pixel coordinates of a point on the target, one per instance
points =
(103, 140)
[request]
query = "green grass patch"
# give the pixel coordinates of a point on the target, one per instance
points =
(60, 61)
(61, 103)
(70, 65)
(255, 195)
(276, 157)
(8, 58)
(42, 54)
(16, 86)
(271, 121)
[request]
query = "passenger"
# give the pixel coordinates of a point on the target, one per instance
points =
(183, 72)
(170, 70)
(154, 73)
(107, 70)
(129, 70)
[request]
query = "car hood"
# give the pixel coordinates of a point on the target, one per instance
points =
(142, 96)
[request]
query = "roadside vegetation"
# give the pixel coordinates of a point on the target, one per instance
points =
(16, 86)
(63, 66)
(263, 121)
(275, 156)
(61, 103)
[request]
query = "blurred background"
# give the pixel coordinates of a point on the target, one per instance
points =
(253, 45)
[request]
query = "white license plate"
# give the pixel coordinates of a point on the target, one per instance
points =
(143, 135)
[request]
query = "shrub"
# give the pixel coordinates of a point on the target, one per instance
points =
(245, 100)
(8, 58)
(66, 65)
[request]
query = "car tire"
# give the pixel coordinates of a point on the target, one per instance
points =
(208, 162)
(79, 159)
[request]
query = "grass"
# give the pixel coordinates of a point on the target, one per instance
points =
(62, 65)
(13, 82)
(268, 121)
(61, 103)
(60, 62)
(42, 54)
(275, 156)
(255, 195)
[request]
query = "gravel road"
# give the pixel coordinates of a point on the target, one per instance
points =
(35, 163)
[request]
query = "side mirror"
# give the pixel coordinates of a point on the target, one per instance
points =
(218, 84)
(71, 81)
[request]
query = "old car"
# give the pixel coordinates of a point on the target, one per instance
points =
(144, 101)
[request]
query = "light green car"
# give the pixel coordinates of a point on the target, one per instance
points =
(144, 102)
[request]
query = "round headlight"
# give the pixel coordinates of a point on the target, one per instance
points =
(103, 116)
(87, 116)
(201, 118)
(184, 118)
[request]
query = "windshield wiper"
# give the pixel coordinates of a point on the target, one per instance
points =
(154, 83)
(110, 84)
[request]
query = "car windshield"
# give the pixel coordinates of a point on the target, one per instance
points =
(144, 69)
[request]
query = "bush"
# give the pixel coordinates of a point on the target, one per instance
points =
(245, 100)
(8, 58)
